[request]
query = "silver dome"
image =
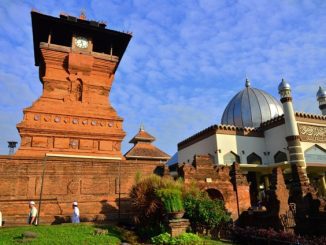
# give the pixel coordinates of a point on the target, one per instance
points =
(250, 107)
(321, 93)
(284, 85)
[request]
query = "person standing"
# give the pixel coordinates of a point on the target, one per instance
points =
(75, 214)
(32, 217)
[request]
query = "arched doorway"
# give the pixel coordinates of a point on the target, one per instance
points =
(215, 194)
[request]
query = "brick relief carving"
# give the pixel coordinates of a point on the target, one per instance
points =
(87, 122)
(51, 186)
(14, 186)
(94, 186)
(73, 187)
(312, 133)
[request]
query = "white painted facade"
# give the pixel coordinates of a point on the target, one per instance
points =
(266, 147)
(240, 145)
(219, 145)
(275, 141)
(203, 147)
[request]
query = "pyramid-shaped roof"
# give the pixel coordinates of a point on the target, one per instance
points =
(142, 136)
(143, 148)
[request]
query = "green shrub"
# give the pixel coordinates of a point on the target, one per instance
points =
(152, 196)
(188, 238)
(171, 199)
(205, 213)
(183, 239)
(162, 239)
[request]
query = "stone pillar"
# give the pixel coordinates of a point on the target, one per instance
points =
(321, 98)
(292, 133)
(266, 182)
(322, 184)
(258, 182)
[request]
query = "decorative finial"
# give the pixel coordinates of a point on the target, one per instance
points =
(141, 127)
(321, 94)
(284, 85)
(247, 83)
(82, 15)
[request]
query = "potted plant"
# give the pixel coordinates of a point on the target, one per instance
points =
(172, 202)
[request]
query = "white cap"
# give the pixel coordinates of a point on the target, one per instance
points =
(75, 203)
(32, 203)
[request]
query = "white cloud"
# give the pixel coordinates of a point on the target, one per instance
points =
(185, 61)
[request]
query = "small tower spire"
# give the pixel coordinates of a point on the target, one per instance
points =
(82, 15)
(247, 84)
(321, 98)
(142, 128)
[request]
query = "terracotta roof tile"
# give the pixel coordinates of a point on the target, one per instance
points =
(142, 135)
(143, 150)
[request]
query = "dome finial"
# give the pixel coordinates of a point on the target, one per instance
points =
(247, 83)
(284, 85)
(142, 128)
(321, 93)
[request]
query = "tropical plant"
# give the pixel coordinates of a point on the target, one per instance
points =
(153, 196)
(171, 199)
(149, 209)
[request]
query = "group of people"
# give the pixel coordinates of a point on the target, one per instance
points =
(32, 217)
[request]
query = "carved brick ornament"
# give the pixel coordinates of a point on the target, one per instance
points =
(312, 133)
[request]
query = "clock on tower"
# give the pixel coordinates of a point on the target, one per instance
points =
(77, 60)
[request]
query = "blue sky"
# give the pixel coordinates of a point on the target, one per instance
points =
(184, 63)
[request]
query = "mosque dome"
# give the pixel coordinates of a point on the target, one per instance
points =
(250, 107)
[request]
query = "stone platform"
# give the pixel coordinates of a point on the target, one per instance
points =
(178, 226)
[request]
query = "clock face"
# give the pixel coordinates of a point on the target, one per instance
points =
(81, 42)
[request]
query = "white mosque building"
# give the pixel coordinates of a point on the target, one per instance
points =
(261, 133)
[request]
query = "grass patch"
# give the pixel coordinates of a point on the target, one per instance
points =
(61, 234)
(213, 242)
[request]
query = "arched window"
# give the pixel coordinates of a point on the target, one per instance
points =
(315, 154)
(280, 156)
(253, 158)
(230, 158)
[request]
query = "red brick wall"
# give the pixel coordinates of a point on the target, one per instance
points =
(208, 176)
(93, 183)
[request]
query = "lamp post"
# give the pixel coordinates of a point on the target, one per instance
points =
(12, 146)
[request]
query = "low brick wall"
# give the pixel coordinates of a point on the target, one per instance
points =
(93, 183)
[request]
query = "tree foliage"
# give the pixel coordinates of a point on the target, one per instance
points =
(203, 212)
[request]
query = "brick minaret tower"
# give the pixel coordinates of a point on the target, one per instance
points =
(77, 60)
